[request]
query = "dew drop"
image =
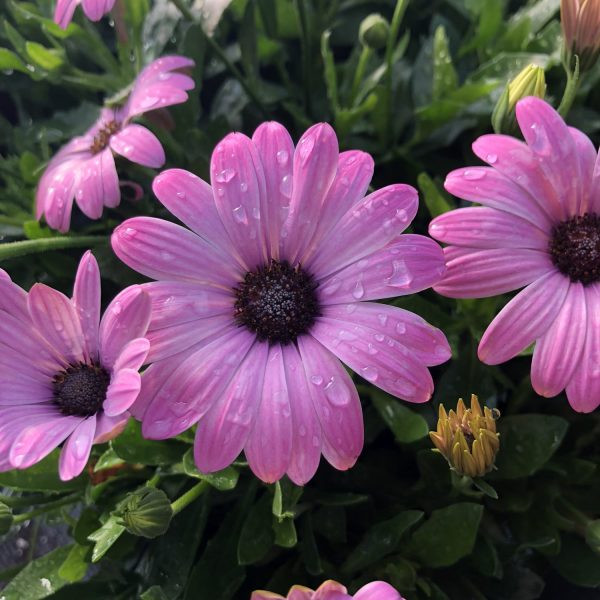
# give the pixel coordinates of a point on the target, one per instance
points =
(225, 175)
(317, 379)
(239, 214)
(337, 393)
(400, 276)
(492, 159)
(283, 157)
(473, 175)
(369, 373)
(359, 291)
(285, 187)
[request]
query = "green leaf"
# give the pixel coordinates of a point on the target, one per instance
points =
(9, 61)
(108, 460)
(105, 537)
(154, 593)
(257, 536)
(221, 480)
(436, 202)
(448, 535)
(43, 57)
(577, 562)
(406, 425)
(6, 518)
(527, 442)
(445, 79)
(75, 566)
(330, 74)
(248, 42)
(285, 532)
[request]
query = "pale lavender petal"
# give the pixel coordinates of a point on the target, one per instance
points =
(126, 318)
(18, 390)
(299, 592)
(558, 352)
(408, 265)
(86, 300)
(133, 355)
(63, 13)
(583, 391)
(89, 191)
(524, 319)
(55, 318)
(269, 444)
(139, 145)
(594, 198)
(76, 451)
(163, 250)
(481, 227)
(121, 393)
(95, 9)
(475, 273)
(13, 299)
(108, 428)
(371, 224)
(377, 590)
(223, 431)
(336, 403)
(55, 196)
(331, 590)
(586, 155)
(157, 68)
(110, 181)
(263, 595)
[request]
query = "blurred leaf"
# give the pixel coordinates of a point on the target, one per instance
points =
(406, 425)
(435, 201)
(46, 58)
(257, 536)
(248, 42)
(221, 480)
(285, 532)
(577, 562)
(6, 518)
(75, 566)
(154, 593)
(445, 79)
(9, 61)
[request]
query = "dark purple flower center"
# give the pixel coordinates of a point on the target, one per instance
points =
(575, 248)
(278, 302)
(80, 390)
(102, 138)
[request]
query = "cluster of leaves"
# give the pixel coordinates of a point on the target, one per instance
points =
(416, 104)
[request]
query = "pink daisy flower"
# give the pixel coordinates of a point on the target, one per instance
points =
(84, 169)
(331, 590)
(538, 228)
(64, 373)
(255, 305)
(93, 9)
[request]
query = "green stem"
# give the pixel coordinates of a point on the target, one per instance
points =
(50, 506)
(573, 81)
(360, 72)
(154, 481)
(187, 13)
(25, 247)
(191, 495)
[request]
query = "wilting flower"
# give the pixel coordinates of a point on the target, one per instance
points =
(331, 590)
(85, 170)
(581, 30)
(253, 305)
(93, 9)
(467, 438)
(64, 373)
(540, 228)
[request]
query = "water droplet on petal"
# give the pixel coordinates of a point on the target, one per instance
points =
(285, 187)
(283, 157)
(492, 158)
(239, 214)
(473, 175)
(317, 379)
(369, 373)
(180, 195)
(225, 175)
(400, 276)
(337, 392)
(305, 147)
(359, 291)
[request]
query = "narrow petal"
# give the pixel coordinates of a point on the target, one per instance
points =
(133, 355)
(264, 595)
(586, 155)
(371, 224)
(108, 428)
(377, 590)
(558, 352)
(63, 13)
(13, 299)
(336, 403)
(163, 250)
(110, 181)
(19, 391)
(95, 9)
(121, 393)
(481, 227)
(55, 318)
(331, 590)
(89, 192)
(524, 319)
(139, 145)
(56, 196)
(408, 265)
(474, 273)
(76, 451)
(86, 300)
(269, 444)
(126, 318)
(594, 198)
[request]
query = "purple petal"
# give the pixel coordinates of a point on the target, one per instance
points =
(97, 182)
(94, 9)
(331, 590)
(269, 444)
(13, 299)
(133, 355)
(524, 319)
(474, 273)
(63, 13)
(18, 390)
(108, 428)
(121, 393)
(86, 300)
(336, 403)
(54, 197)
(586, 155)
(594, 199)
(223, 431)
(139, 145)
(377, 590)
(76, 451)
(126, 318)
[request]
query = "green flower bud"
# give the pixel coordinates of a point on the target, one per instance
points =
(592, 535)
(6, 518)
(374, 32)
(146, 512)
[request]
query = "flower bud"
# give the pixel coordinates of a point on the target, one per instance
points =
(581, 31)
(374, 32)
(531, 81)
(467, 438)
(146, 512)
(6, 518)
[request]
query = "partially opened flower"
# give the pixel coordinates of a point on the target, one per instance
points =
(65, 375)
(93, 9)
(331, 590)
(580, 20)
(538, 228)
(84, 169)
(253, 307)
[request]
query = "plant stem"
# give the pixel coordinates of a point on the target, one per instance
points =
(50, 506)
(16, 249)
(360, 71)
(571, 88)
(306, 53)
(191, 495)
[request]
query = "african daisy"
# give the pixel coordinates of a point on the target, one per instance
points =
(331, 590)
(93, 9)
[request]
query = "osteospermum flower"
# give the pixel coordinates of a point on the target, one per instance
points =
(538, 228)
(85, 170)
(331, 590)
(580, 20)
(254, 306)
(93, 9)
(64, 373)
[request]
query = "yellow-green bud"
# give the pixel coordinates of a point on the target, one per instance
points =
(592, 535)
(146, 512)
(374, 32)
(531, 81)
(467, 438)
(6, 518)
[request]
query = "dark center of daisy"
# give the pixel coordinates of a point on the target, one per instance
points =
(102, 138)
(278, 302)
(575, 248)
(80, 390)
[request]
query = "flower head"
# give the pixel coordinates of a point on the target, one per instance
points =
(253, 307)
(66, 375)
(467, 438)
(538, 228)
(85, 170)
(581, 30)
(93, 9)
(331, 590)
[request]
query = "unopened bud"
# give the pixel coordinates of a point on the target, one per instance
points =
(374, 32)
(146, 512)
(581, 31)
(467, 438)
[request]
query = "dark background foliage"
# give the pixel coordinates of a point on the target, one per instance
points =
(400, 514)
